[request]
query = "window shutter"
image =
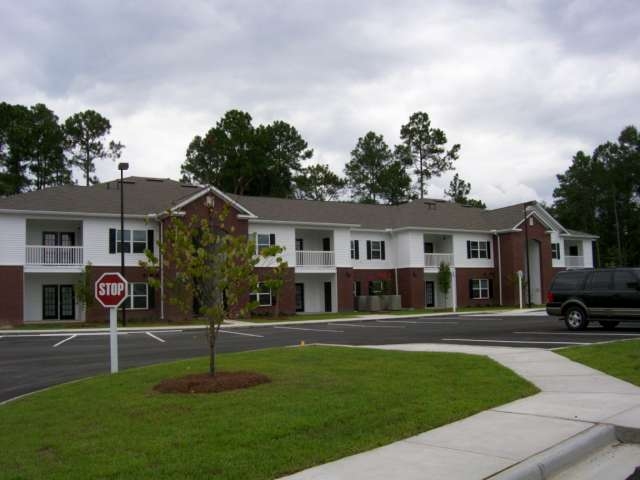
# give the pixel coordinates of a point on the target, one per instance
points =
(382, 255)
(272, 239)
(559, 250)
(468, 249)
(150, 240)
(368, 249)
(356, 244)
(471, 288)
(151, 297)
(490, 288)
(112, 240)
(489, 249)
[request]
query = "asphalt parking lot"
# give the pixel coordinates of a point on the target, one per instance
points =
(30, 362)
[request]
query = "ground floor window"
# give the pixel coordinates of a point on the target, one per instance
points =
(555, 251)
(138, 296)
(262, 295)
(480, 288)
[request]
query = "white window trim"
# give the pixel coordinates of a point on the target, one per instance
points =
(480, 288)
(130, 242)
(375, 250)
(258, 293)
(131, 296)
(555, 251)
(481, 248)
(261, 246)
(353, 249)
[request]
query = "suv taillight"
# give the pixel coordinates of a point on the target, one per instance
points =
(549, 297)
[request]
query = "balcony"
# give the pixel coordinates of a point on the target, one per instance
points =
(41, 255)
(315, 258)
(574, 261)
(433, 260)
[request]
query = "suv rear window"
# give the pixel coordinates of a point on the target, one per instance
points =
(625, 280)
(568, 281)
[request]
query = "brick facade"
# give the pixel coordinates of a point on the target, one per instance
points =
(345, 278)
(11, 295)
(411, 287)
(463, 279)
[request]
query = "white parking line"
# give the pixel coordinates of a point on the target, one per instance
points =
(511, 341)
(310, 329)
(421, 323)
(153, 336)
(242, 333)
(370, 326)
(65, 340)
(583, 333)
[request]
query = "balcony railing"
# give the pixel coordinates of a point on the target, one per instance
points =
(574, 261)
(315, 258)
(54, 255)
(435, 259)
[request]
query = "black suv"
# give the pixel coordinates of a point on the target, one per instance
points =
(607, 295)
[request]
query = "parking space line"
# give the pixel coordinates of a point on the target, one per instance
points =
(242, 333)
(153, 336)
(310, 329)
(65, 340)
(420, 323)
(512, 341)
(369, 326)
(595, 332)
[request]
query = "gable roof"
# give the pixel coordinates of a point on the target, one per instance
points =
(142, 196)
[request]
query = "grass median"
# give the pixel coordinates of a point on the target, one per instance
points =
(323, 403)
(619, 359)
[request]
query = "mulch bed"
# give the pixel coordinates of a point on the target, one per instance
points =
(205, 383)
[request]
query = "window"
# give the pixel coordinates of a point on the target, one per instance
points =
(375, 250)
(139, 241)
(573, 250)
(569, 281)
(624, 280)
(555, 251)
(480, 288)
(299, 244)
(356, 289)
(264, 240)
(135, 241)
(355, 249)
(138, 296)
(600, 280)
(124, 242)
(428, 247)
(262, 295)
(476, 249)
(376, 287)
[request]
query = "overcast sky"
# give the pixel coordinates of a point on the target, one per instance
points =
(521, 85)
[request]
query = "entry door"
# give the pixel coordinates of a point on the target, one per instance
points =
(430, 294)
(326, 244)
(299, 297)
(327, 296)
(67, 303)
(49, 302)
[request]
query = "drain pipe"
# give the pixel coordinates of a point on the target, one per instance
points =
(495, 232)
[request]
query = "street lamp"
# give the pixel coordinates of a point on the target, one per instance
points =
(526, 246)
(122, 167)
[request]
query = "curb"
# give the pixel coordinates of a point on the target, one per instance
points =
(565, 454)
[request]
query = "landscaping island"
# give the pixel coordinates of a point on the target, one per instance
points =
(322, 403)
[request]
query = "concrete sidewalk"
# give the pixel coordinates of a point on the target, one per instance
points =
(574, 399)
(240, 323)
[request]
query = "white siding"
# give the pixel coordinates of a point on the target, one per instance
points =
(342, 247)
(36, 227)
(587, 251)
(96, 240)
(285, 237)
(460, 251)
(314, 291)
(362, 237)
(555, 238)
(12, 239)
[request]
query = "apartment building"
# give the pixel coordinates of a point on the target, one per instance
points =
(335, 250)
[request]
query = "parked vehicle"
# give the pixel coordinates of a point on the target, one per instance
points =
(608, 295)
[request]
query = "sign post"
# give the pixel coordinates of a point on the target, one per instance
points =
(111, 290)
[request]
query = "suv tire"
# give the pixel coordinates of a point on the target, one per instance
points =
(608, 324)
(575, 318)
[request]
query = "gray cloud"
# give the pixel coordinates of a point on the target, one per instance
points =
(521, 85)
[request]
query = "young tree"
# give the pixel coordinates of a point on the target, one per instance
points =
(318, 182)
(276, 277)
(85, 134)
(444, 280)
(459, 191)
(425, 148)
(209, 264)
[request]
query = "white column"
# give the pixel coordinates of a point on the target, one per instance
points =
(113, 338)
(454, 290)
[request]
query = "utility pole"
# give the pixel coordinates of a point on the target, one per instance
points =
(122, 167)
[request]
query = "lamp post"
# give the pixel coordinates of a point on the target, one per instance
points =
(526, 247)
(122, 167)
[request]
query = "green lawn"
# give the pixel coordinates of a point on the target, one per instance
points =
(620, 359)
(323, 404)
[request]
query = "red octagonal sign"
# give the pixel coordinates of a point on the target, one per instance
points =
(111, 289)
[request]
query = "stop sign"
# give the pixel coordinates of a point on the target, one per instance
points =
(111, 289)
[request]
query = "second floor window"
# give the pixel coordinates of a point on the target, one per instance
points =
(478, 249)
(264, 240)
(355, 249)
(555, 251)
(375, 250)
(130, 241)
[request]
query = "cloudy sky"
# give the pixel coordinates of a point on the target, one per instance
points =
(521, 85)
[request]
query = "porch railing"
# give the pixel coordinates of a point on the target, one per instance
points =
(435, 259)
(315, 258)
(54, 255)
(574, 260)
